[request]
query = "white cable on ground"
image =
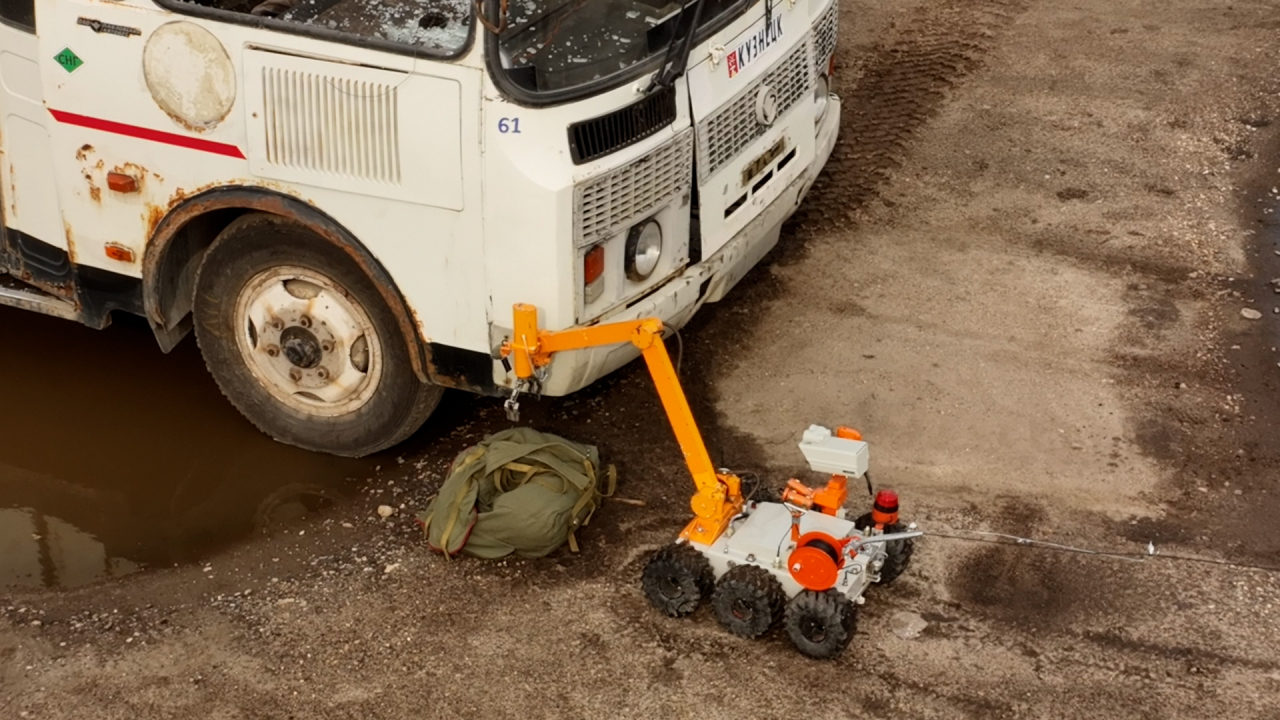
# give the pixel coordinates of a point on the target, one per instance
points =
(996, 538)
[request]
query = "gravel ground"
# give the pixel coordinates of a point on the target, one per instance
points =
(1022, 276)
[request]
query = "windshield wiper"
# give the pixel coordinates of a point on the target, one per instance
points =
(677, 60)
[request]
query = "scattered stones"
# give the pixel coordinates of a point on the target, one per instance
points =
(387, 511)
(1250, 314)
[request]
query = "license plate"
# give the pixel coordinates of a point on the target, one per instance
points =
(757, 166)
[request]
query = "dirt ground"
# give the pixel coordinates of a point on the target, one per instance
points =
(1022, 278)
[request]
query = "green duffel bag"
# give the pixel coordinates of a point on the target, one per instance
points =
(520, 491)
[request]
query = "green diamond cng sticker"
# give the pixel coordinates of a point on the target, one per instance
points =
(68, 60)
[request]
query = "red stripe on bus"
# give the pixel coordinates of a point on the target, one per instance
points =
(147, 134)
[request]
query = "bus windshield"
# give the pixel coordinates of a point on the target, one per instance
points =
(549, 45)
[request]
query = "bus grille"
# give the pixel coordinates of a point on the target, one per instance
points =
(597, 137)
(612, 202)
(824, 37)
(332, 125)
(724, 134)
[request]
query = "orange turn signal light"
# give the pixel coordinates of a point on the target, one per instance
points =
(122, 183)
(593, 265)
(119, 253)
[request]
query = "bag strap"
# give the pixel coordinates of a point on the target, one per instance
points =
(455, 505)
(505, 456)
(590, 496)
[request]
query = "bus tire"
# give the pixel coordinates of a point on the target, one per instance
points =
(301, 341)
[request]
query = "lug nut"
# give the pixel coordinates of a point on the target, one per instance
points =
(305, 321)
(277, 324)
(322, 373)
(272, 350)
(326, 346)
(295, 375)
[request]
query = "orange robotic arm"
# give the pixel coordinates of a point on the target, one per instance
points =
(719, 496)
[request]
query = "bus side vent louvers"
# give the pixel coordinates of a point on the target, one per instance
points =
(332, 125)
(595, 138)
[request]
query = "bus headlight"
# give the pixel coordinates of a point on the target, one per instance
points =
(821, 98)
(644, 249)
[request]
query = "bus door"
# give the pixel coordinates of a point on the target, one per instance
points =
(35, 243)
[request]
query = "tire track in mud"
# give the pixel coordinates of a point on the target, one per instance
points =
(901, 84)
(888, 94)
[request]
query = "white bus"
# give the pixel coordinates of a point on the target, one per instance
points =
(344, 198)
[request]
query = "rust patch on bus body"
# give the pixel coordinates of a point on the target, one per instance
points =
(13, 192)
(71, 242)
(90, 172)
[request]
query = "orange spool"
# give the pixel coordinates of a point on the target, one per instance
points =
(816, 561)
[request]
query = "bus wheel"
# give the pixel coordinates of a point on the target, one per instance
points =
(300, 340)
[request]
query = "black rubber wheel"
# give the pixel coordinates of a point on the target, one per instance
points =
(677, 579)
(821, 624)
(748, 600)
(898, 552)
(301, 341)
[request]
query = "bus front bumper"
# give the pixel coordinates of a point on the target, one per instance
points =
(708, 281)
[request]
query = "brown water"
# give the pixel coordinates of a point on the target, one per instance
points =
(115, 457)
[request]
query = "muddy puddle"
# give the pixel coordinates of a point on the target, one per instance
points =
(115, 457)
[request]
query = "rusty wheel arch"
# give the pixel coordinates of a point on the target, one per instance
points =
(181, 235)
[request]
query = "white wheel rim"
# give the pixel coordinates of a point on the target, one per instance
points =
(308, 342)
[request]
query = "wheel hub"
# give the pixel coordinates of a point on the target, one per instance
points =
(308, 341)
(670, 586)
(300, 347)
(813, 629)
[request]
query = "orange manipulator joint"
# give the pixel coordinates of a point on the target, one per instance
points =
(831, 498)
(524, 341)
(797, 493)
(828, 500)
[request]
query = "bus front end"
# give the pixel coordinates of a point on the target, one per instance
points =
(641, 157)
